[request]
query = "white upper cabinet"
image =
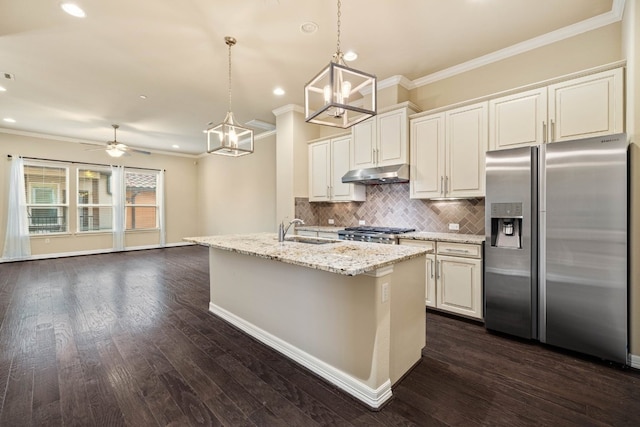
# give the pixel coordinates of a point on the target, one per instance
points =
(578, 108)
(587, 106)
(466, 143)
(447, 153)
(427, 157)
(518, 120)
(382, 140)
(329, 160)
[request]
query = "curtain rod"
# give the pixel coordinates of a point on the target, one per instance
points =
(9, 156)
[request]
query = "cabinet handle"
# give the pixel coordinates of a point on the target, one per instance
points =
(544, 132)
(328, 192)
(553, 131)
(441, 184)
(438, 268)
(446, 185)
(377, 156)
(460, 251)
(431, 261)
(373, 155)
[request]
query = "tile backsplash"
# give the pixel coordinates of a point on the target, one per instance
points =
(389, 205)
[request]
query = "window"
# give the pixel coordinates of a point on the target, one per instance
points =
(141, 201)
(95, 203)
(46, 194)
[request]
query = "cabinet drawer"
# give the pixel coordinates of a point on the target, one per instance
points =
(460, 249)
(426, 244)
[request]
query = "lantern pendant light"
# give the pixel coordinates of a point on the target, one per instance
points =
(340, 96)
(229, 138)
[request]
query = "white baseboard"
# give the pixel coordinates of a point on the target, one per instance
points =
(634, 361)
(94, 252)
(373, 398)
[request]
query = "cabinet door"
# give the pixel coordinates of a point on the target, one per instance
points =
(518, 120)
(392, 141)
(467, 142)
(459, 287)
(319, 171)
(587, 106)
(364, 144)
(340, 152)
(430, 298)
(427, 157)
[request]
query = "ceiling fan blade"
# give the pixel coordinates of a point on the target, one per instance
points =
(135, 150)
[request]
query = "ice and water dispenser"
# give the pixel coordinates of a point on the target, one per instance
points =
(506, 225)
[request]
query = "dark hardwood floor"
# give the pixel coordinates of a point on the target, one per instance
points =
(126, 339)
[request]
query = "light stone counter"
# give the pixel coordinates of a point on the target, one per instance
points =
(320, 228)
(444, 237)
(337, 256)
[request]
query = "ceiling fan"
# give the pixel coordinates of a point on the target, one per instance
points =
(117, 149)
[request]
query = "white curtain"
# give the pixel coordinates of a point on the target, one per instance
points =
(160, 201)
(17, 243)
(118, 195)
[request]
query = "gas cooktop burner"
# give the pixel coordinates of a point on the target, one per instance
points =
(383, 230)
(388, 235)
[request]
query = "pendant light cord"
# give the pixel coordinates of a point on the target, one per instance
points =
(230, 43)
(338, 43)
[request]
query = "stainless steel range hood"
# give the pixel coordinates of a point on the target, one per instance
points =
(379, 175)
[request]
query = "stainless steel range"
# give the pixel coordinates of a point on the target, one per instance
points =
(386, 235)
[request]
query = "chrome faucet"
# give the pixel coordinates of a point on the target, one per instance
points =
(282, 230)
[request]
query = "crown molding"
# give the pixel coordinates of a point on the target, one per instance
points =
(608, 18)
(89, 142)
(287, 109)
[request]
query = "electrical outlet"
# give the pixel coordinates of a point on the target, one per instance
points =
(385, 292)
(454, 226)
(361, 222)
(331, 221)
(47, 240)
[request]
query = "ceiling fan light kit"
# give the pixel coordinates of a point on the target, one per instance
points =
(336, 95)
(228, 138)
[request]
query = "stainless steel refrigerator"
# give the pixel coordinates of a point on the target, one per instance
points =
(556, 264)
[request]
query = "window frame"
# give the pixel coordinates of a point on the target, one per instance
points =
(61, 208)
(128, 205)
(79, 205)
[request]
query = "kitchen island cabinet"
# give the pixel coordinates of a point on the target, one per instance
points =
(351, 312)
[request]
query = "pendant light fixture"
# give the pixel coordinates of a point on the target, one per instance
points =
(228, 138)
(334, 97)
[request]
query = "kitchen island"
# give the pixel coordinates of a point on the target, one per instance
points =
(351, 312)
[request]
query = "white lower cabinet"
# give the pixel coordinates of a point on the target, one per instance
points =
(454, 276)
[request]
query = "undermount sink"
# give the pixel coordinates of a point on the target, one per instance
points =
(308, 240)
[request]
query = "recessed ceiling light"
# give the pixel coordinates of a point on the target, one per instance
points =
(350, 56)
(9, 120)
(278, 91)
(175, 146)
(309, 27)
(143, 96)
(2, 89)
(73, 10)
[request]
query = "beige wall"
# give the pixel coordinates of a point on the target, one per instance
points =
(237, 195)
(631, 48)
(180, 193)
(598, 47)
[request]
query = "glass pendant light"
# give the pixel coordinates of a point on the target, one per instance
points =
(334, 97)
(229, 138)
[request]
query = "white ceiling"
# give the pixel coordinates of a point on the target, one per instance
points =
(75, 77)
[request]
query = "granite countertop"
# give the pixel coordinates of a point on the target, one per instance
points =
(320, 228)
(444, 237)
(337, 256)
